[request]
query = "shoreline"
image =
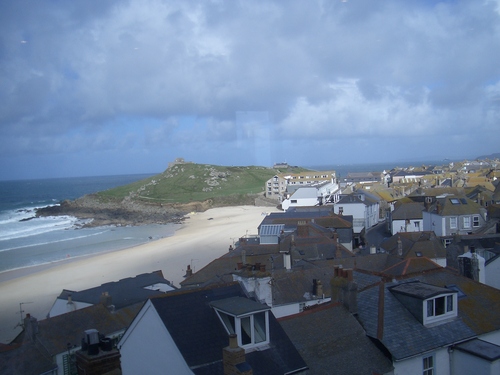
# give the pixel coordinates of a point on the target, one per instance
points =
(201, 238)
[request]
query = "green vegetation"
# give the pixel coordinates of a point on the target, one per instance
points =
(190, 182)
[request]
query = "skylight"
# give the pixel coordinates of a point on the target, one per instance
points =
(454, 201)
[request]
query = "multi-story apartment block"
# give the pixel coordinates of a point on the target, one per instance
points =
(277, 186)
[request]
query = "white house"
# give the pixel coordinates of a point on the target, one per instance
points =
(362, 206)
(449, 214)
(189, 332)
(302, 197)
(407, 217)
(434, 323)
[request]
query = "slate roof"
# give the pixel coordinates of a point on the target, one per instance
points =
(408, 211)
(317, 214)
(314, 243)
(331, 342)
(124, 292)
(56, 332)
(25, 358)
(415, 244)
(200, 336)
(404, 336)
(464, 206)
(480, 348)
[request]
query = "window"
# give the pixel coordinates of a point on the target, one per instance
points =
(417, 225)
(248, 319)
(294, 200)
(428, 365)
(440, 306)
(466, 221)
(475, 221)
(453, 222)
(250, 329)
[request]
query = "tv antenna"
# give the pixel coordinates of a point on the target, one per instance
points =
(21, 312)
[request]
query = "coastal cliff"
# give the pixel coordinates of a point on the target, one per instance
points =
(169, 196)
(111, 212)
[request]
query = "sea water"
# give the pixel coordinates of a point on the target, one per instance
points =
(28, 241)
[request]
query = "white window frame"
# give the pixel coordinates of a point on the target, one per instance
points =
(475, 221)
(466, 222)
(238, 328)
(453, 222)
(428, 365)
(440, 307)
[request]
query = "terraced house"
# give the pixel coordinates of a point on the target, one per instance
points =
(450, 214)
(279, 184)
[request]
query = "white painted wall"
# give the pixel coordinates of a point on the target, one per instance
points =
(434, 223)
(492, 274)
(148, 348)
(402, 226)
(357, 210)
(414, 365)
(294, 308)
(61, 306)
(466, 364)
(298, 201)
(493, 337)
(260, 286)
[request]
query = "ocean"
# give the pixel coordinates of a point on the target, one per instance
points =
(27, 241)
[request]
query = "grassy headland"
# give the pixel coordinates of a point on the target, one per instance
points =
(167, 197)
(184, 183)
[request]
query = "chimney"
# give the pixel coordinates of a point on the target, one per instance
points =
(262, 268)
(243, 256)
(70, 306)
(189, 271)
(234, 360)
(319, 289)
(91, 361)
(105, 299)
(350, 295)
(287, 260)
(400, 247)
(427, 203)
(31, 327)
(438, 208)
(302, 229)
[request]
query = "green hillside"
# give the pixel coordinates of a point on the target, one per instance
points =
(190, 182)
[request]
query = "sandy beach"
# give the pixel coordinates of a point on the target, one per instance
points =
(203, 237)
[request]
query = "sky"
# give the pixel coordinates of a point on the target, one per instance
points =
(90, 87)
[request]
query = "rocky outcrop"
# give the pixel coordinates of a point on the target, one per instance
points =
(124, 212)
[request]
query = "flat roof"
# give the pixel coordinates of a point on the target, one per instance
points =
(420, 290)
(238, 306)
(480, 348)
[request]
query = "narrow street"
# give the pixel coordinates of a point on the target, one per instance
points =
(376, 234)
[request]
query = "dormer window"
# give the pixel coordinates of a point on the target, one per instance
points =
(248, 319)
(428, 303)
(441, 308)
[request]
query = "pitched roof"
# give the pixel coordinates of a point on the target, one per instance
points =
(124, 292)
(449, 205)
(404, 336)
(331, 341)
(56, 332)
(415, 244)
(200, 336)
(408, 211)
(25, 358)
